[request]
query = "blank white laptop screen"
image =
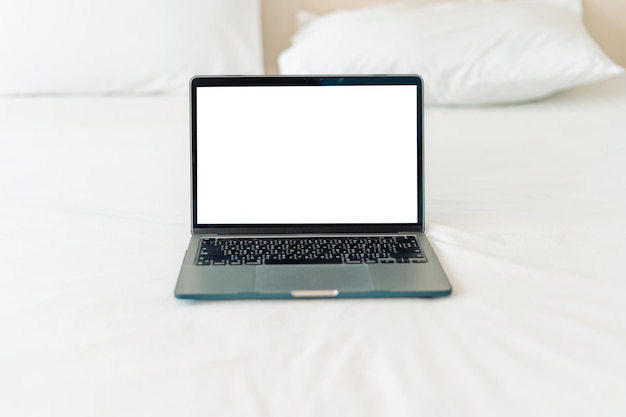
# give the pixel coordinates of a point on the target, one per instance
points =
(307, 154)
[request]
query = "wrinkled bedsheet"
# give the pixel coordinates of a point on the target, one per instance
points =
(525, 206)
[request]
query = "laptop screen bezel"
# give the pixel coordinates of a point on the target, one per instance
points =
(221, 81)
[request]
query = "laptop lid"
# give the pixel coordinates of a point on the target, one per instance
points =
(306, 154)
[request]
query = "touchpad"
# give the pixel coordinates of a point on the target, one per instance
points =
(287, 278)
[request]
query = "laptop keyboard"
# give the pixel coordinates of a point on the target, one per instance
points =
(310, 250)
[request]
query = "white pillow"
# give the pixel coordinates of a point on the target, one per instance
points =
(124, 46)
(468, 52)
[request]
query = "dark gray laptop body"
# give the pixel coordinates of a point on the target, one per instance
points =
(280, 160)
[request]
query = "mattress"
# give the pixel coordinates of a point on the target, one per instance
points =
(525, 206)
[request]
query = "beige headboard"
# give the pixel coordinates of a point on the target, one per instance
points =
(605, 21)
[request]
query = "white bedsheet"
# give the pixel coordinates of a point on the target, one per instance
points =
(525, 205)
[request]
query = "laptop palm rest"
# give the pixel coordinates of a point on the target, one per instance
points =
(312, 279)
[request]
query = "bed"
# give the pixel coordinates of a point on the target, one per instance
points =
(525, 207)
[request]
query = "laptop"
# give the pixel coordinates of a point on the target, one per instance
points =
(308, 187)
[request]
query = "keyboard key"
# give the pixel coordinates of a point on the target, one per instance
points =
(301, 261)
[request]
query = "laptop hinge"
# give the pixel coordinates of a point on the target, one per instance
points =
(203, 232)
(208, 232)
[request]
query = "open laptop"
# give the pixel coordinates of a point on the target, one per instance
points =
(308, 187)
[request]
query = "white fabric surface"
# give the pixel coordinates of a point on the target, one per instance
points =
(469, 51)
(124, 46)
(525, 206)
